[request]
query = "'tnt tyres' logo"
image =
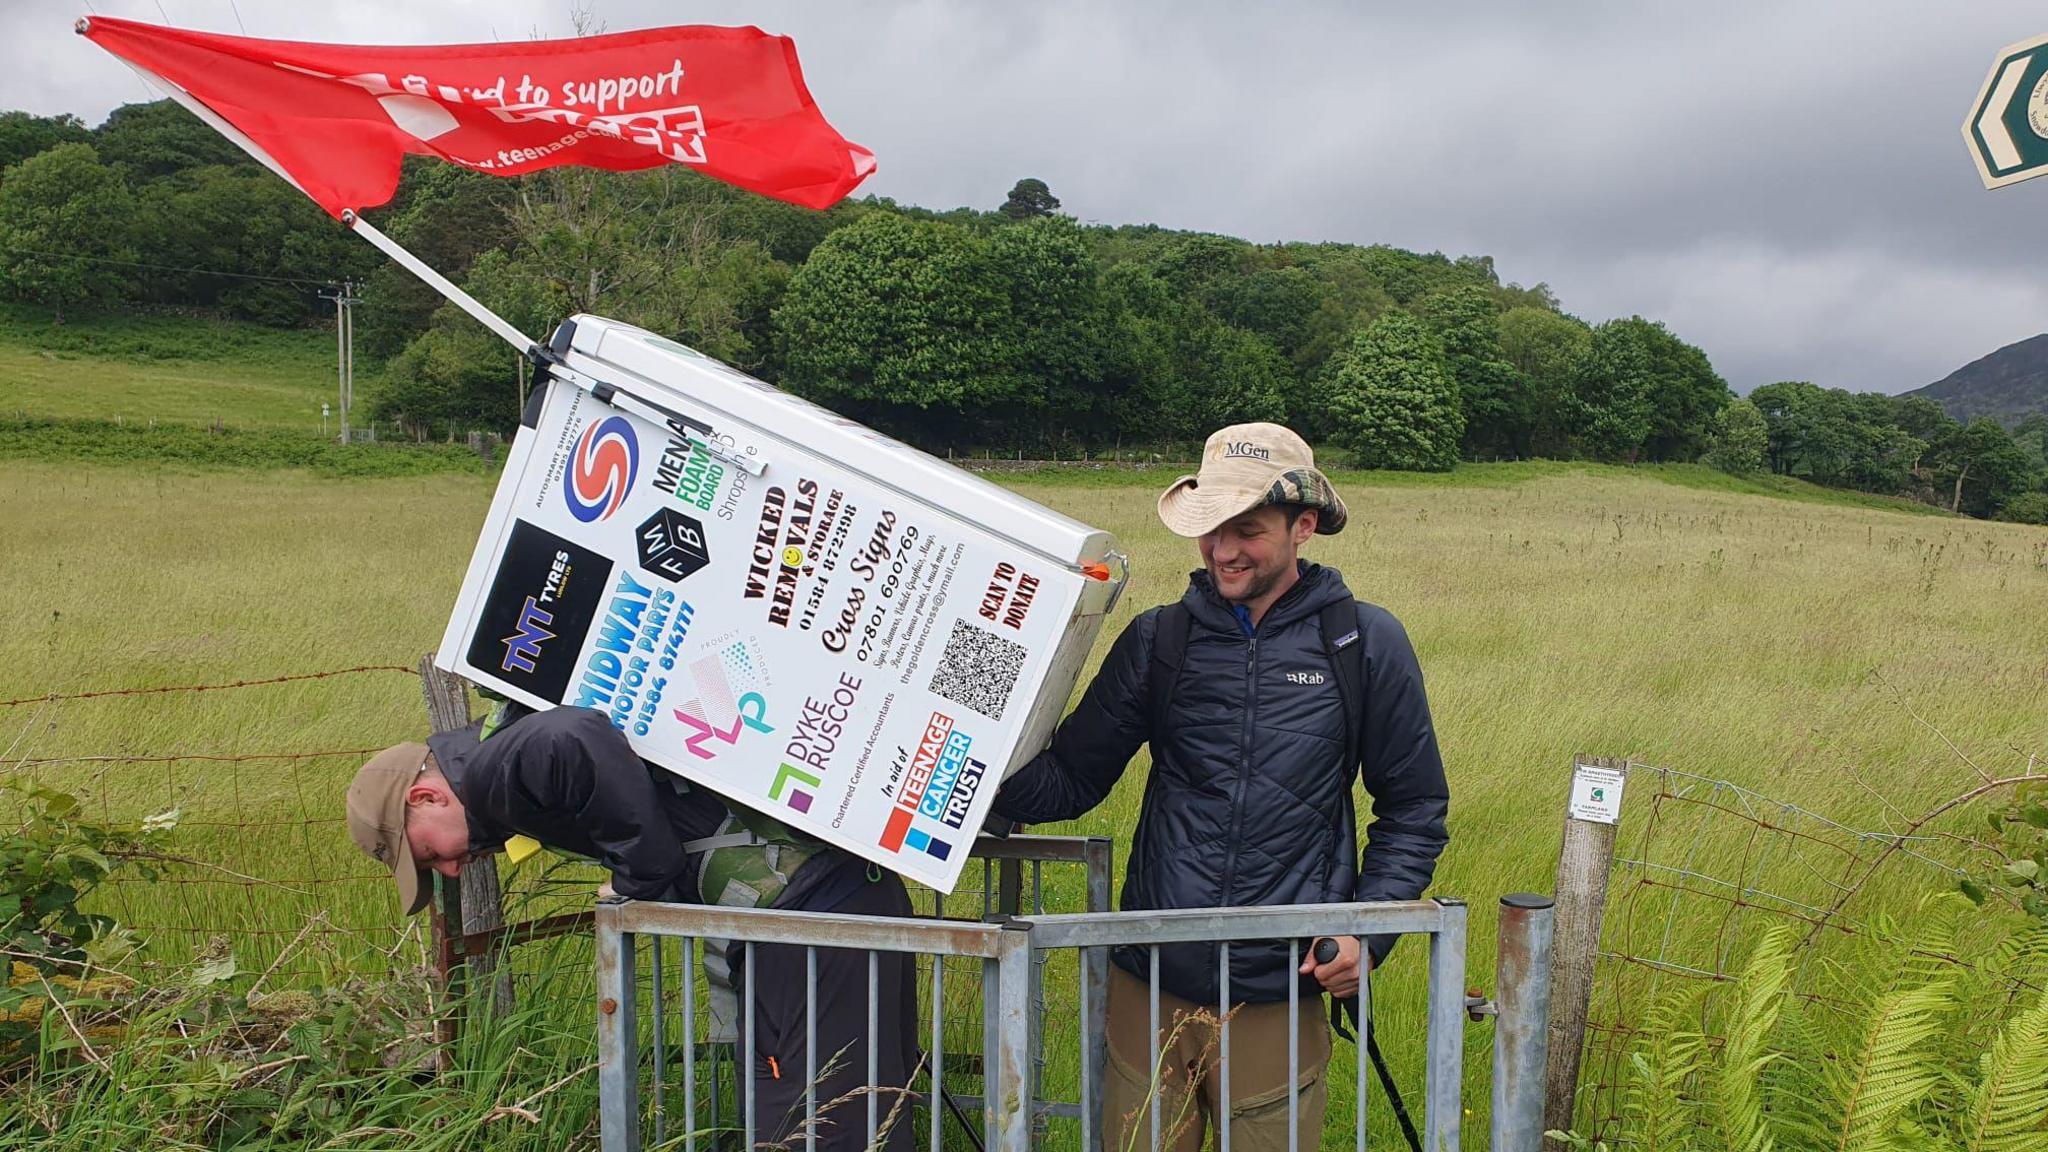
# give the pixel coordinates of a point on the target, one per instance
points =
(540, 606)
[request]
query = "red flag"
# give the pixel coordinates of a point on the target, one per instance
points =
(336, 119)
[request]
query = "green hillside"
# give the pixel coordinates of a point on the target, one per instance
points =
(186, 368)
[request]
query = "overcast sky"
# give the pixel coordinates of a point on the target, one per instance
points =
(1783, 184)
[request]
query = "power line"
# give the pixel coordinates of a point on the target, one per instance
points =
(170, 267)
(236, 9)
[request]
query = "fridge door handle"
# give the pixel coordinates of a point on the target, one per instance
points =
(639, 405)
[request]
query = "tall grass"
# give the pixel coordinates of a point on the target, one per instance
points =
(1770, 642)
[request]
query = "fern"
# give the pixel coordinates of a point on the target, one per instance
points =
(2007, 1110)
(1929, 948)
(2022, 959)
(1760, 996)
(1795, 1087)
(1889, 1070)
(1655, 1110)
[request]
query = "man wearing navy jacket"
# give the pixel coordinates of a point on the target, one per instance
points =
(568, 779)
(1264, 692)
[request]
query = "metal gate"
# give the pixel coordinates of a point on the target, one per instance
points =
(1014, 1113)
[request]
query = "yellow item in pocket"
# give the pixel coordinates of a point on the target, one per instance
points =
(518, 848)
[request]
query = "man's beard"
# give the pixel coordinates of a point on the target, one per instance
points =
(1261, 583)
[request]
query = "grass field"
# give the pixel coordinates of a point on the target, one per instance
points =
(139, 367)
(1775, 643)
(1831, 650)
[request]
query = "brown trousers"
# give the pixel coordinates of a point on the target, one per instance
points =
(1187, 1084)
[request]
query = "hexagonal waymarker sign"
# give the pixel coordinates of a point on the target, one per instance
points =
(672, 544)
(2007, 130)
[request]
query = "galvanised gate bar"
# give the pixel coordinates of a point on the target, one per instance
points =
(1011, 955)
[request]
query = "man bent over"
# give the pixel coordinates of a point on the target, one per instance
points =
(567, 778)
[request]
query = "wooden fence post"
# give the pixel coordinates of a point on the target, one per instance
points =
(1591, 816)
(475, 903)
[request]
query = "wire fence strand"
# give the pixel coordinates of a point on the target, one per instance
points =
(259, 855)
(1702, 868)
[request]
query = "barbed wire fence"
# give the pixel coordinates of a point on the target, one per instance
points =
(1703, 867)
(261, 856)
(1700, 868)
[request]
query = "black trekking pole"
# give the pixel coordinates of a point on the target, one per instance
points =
(1326, 951)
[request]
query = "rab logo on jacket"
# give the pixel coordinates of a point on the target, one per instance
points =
(601, 470)
(1304, 677)
(728, 699)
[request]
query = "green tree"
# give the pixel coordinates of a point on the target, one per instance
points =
(1276, 303)
(2032, 435)
(1789, 411)
(457, 374)
(898, 321)
(1741, 440)
(1279, 306)
(1231, 376)
(62, 215)
(1981, 467)
(237, 223)
(1499, 407)
(1920, 417)
(1838, 438)
(1348, 298)
(1141, 388)
(1545, 348)
(450, 216)
(1611, 393)
(2026, 508)
(1409, 276)
(1174, 372)
(1685, 393)
(23, 135)
(1189, 264)
(1029, 200)
(1394, 404)
(151, 141)
(1057, 337)
(649, 248)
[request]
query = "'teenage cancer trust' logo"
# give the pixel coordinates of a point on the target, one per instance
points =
(601, 471)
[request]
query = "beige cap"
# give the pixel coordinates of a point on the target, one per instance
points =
(376, 819)
(1246, 466)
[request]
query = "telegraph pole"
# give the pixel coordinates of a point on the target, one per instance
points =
(348, 323)
(345, 299)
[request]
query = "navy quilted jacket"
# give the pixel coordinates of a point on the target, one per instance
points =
(1249, 800)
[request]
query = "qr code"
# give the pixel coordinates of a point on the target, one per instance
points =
(979, 669)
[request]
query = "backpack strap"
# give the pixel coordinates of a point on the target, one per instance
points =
(1341, 645)
(1341, 638)
(1169, 652)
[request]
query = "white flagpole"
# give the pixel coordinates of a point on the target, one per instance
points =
(439, 283)
(349, 217)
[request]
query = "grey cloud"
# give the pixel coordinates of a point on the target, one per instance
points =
(1784, 184)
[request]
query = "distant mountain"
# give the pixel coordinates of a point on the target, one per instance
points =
(2008, 385)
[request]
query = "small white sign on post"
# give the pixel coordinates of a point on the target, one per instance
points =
(1596, 794)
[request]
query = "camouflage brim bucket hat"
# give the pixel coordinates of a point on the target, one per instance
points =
(1246, 466)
